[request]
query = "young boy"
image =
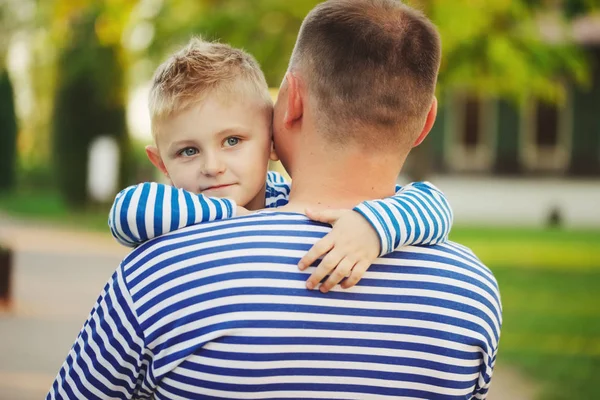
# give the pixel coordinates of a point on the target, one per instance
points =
(211, 122)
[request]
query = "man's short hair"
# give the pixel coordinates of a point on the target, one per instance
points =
(204, 68)
(369, 64)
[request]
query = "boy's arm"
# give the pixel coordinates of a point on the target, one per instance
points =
(145, 211)
(418, 213)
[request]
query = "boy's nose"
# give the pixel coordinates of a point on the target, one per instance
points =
(213, 166)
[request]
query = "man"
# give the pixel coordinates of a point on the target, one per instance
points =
(220, 310)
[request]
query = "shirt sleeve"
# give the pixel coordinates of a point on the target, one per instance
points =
(109, 359)
(145, 211)
(278, 190)
(417, 214)
(485, 377)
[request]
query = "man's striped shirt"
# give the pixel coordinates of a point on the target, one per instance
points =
(417, 214)
(220, 311)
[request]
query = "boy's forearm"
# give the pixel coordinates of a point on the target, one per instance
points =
(417, 214)
(148, 210)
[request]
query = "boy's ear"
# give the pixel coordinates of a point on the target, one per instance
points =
(428, 122)
(294, 105)
(154, 157)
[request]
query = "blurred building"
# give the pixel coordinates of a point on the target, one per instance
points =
(496, 137)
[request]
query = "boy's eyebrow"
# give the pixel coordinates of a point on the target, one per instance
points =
(182, 142)
(229, 131)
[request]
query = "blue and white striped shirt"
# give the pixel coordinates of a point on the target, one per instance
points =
(418, 214)
(220, 311)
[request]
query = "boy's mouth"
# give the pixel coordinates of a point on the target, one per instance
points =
(216, 187)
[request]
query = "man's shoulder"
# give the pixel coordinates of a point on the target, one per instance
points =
(449, 262)
(220, 235)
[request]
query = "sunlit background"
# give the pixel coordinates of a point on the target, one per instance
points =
(516, 149)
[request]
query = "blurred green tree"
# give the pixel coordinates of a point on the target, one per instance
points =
(8, 136)
(8, 116)
(493, 47)
(89, 102)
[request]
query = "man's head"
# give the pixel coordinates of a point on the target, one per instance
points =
(211, 121)
(364, 72)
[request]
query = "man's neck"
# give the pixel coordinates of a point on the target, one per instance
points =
(340, 182)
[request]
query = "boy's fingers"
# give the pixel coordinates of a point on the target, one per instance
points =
(320, 248)
(329, 262)
(341, 271)
(357, 273)
(325, 216)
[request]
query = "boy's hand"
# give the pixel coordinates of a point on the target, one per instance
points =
(351, 247)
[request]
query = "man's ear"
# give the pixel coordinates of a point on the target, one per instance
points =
(428, 122)
(154, 157)
(294, 105)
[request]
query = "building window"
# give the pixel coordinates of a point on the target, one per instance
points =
(546, 130)
(546, 136)
(472, 126)
(471, 133)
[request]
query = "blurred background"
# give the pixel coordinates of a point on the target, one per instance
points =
(516, 149)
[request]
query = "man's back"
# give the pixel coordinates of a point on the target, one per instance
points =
(223, 313)
(220, 311)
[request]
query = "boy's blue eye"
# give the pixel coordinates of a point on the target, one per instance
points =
(231, 141)
(188, 152)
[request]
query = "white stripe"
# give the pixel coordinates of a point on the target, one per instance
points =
(183, 209)
(199, 215)
(132, 212)
(316, 379)
(150, 212)
(324, 349)
(167, 212)
(118, 210)
(303, 394)
(320, 364)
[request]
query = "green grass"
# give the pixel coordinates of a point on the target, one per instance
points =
(549, 281)
(550, 286)
(48, 207)
(551, 328)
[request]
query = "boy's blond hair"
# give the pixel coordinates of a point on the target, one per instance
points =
(204, 68)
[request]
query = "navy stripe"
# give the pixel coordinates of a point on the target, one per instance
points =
(175, 213)
(158, 210)
(191, 216)
(140, 215)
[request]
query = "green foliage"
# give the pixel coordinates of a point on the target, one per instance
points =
(496, 48)
(90, 102)
(265, 28)
(8, 134)
(493, 47)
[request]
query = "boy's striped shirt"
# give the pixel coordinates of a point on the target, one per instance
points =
(417, 214)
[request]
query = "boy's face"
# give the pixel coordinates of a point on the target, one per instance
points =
(217, 148)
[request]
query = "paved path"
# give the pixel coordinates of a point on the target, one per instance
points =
(58, 275)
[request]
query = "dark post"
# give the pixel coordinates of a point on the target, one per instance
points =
(507, 150)
(5, 276)
(585, 153)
